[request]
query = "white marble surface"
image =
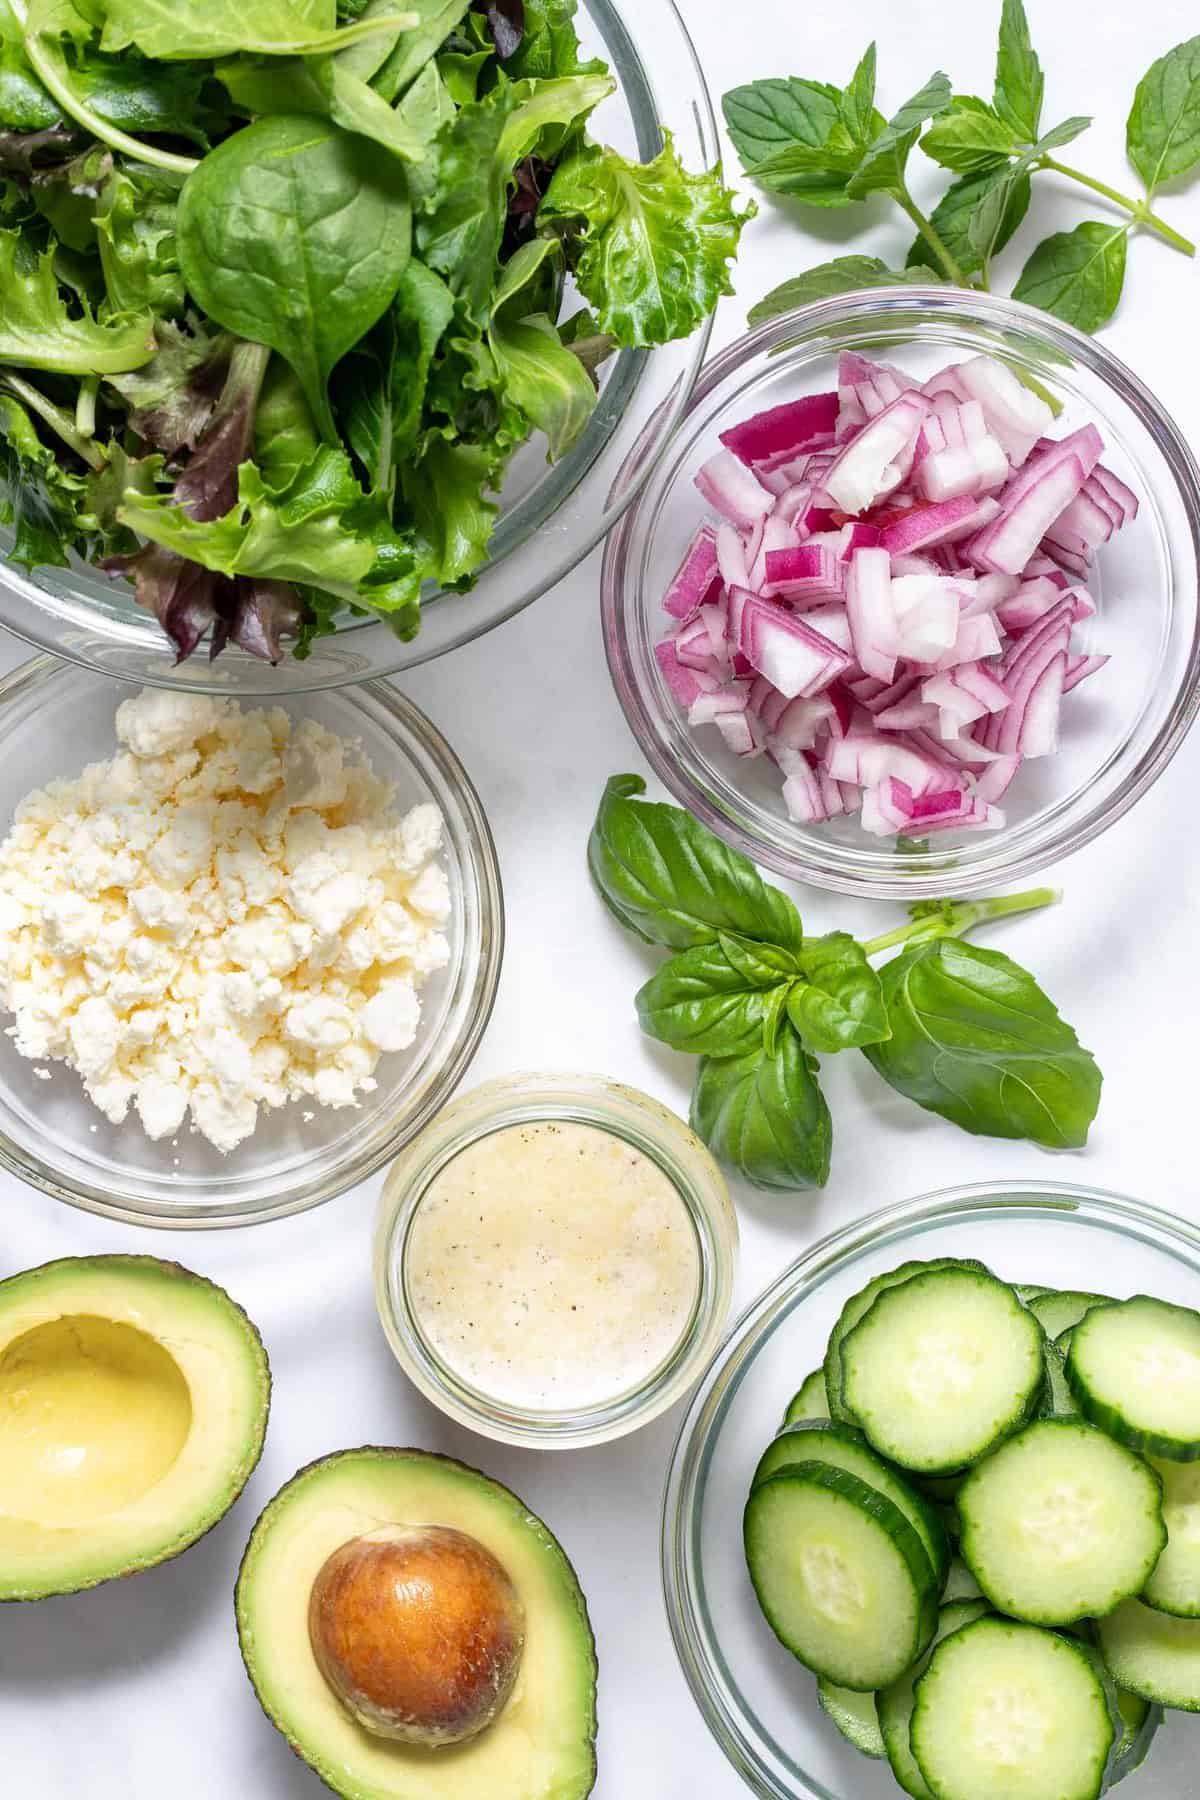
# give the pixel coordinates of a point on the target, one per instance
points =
(137, 1690)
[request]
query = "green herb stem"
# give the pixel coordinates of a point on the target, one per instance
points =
(1139, 210)
(961, 915)
(85, 406)
(953, 272)
(55, 418)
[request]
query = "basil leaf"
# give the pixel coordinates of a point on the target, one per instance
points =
(839, 1004)
(970, 138)
(700, 1003)
(294, 233)
(975, 1040)
(844, 275)
(1020, 83)
(951, 217)
(1163, 132)
(670, 881)
(765, 1116)
(882, 168)
(759, 965)
(774, 1016)
(1077, 275)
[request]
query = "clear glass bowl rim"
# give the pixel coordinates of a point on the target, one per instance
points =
(1002, 865)
(372, 638)
(405, 719)
(589, 1099)
(699, 1659)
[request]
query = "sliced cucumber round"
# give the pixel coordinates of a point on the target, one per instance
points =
(1061, 1524)
(1153, 1655)
(1174, 1586)
(1058, 1310)
(1140, 1721)
(1134, 1368)
(844, 1447)
(1058, 1402)
(942, 1369)
(854, 1715)
(841, 1576)
(895, 1704)
(1028, 1290)
(809, 1401)
(859, 1305)
(1008, 1709)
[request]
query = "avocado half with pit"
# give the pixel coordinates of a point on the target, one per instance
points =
(133, 1405)
(538, 1742)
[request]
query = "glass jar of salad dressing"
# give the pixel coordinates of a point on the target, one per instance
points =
(554, 1259)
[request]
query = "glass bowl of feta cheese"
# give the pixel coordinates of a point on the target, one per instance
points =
(246, 952)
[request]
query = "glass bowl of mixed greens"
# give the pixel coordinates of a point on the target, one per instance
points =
(760, 1703)
(325, 325)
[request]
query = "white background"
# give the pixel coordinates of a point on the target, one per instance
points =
(136, 1690)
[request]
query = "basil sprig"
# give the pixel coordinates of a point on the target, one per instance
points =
(966, 1033)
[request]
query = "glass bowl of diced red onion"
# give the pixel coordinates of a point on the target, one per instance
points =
(912, 599)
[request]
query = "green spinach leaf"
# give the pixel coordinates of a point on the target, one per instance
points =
(839, 1003)
(975, 1040)
(294, 233)
(1077, 275)
(671, 882)
(1163, 133)
(654, 242)
(1020, 84)
(322, 87)
(179, 30)
(766, 1115)
(407, 52)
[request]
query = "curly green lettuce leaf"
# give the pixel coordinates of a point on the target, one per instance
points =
(135, 217)
(542, 377)
(172, 397)
(37, 332)
(653, 242)
(42, 501)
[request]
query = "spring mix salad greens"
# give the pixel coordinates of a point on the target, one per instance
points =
(280, 290)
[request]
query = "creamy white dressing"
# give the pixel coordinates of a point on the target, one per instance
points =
(552, 1266)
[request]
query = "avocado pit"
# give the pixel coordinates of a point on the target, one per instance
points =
(419, 1632)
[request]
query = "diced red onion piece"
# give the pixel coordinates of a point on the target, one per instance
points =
(689, 586)
(685, 684)
(872, 614)
(975, 468)
(1079, 668)
(809, 574)
(947, 521)
(780, 646)
(730, 486)
(782, 429)
(1014, 413)
(879, 457)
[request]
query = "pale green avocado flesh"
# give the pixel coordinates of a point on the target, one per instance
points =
(133, 1404)
(542, 1745)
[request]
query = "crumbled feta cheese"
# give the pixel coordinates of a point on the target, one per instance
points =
(226, 915)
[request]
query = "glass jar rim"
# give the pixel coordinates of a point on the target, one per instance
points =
(621, 1111)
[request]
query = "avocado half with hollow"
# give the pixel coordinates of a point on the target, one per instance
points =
(133, 1405)
(368, 1504)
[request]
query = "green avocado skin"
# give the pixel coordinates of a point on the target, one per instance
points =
(172, 1278)
(397, 1456)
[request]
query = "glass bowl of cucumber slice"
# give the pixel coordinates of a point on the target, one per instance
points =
(932, 1520)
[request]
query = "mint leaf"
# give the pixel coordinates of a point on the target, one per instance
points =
(882, 168)
(988, 219)
(844, 275)
(765, 1115)
(970, 138)
(805, 138)
(1020, 84)
(1163, 133)
(1077, 275)
(654, 241)
(952, 216)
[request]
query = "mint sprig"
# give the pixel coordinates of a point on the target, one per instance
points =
(809, 141)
